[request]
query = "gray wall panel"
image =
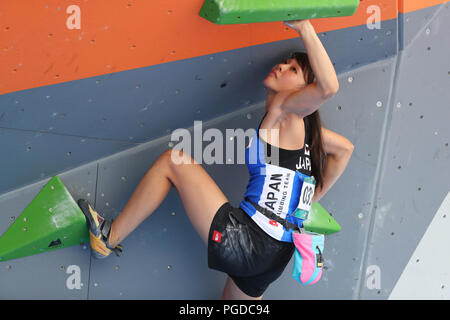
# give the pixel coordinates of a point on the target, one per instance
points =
(415, 177)
(29, 156)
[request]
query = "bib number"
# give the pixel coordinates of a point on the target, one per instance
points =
(306, 196)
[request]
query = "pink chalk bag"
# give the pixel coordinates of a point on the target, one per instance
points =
(308, 257)
(308, 261)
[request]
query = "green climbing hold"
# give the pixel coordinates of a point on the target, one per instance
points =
(320, 221)
(251, 11)
(51, 221)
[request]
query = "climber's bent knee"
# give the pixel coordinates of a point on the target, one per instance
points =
(179, 157)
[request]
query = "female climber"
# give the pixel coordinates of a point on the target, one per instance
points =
(251, 243)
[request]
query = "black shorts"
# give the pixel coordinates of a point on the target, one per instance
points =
(240, 248)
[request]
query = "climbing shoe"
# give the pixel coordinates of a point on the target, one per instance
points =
(99, 229)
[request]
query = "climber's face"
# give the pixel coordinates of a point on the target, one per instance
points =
(285, 76)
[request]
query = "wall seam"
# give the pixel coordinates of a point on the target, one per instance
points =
(382, 159)
(71, 135)
(90, 255)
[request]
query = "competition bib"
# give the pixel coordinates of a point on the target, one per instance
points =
(306, 196)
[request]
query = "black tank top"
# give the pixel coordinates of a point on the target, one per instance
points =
(296, 160)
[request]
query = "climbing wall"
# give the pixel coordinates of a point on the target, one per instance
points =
(414, 180)
(94, 94)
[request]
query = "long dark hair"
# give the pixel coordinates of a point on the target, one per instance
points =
(318, 155)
